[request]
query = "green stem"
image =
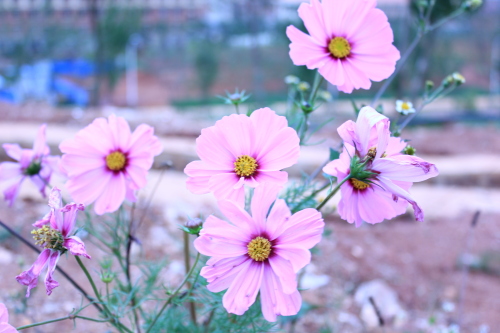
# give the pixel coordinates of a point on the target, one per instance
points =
(174, 294)
(61, 319)
(318, 80)
(237, 108)
(332, 193)
(115, 322)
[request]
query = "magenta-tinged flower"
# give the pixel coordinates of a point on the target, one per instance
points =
(350, 42)
(35, 164)
(259, 252)
(382, 193)
(106, 163)
(241, 150)
(4, 321)
(53, 233)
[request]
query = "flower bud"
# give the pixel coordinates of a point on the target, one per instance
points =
(107, 277)
(193, 226)
(306, 107)
(325, 95)
(471, 5)
(304, 86)
(458, 78)
(409, 150)
(292, 79)
(429, 85)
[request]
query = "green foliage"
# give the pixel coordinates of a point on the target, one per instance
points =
(206, 64)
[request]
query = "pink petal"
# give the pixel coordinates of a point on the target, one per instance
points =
(40, 147)
(13, 150)
(75, 165)
(278, 218)
(395, 146)
(340, 167)
(10, 193)
(4, 314)
(367, 120)
(262, 199)
(10, 170)
(354, 78)
(237, 215)
(303, 229)
(214, 150)
(401, 193)
(76, 246)
(334, 12)
(69, 221)
(6, 328)
(267, 124)
(120, 132)
(357, 16)
(405, 168)
(223, 187)
(298, 257)
(304, 50)
(277, 178)
(199, 174)
(281, 151)
(95, 139)
(220, 273)
(43, 221)
(312, 15)
(213, 243)
(50, 283)
(376, 205)
(137, 176)
(112, 196)
(284, 270)
(87, 187)
(243, 291)
(333, 71)
(274, 301)
(29, 278)
(348, 205)
(143, 140)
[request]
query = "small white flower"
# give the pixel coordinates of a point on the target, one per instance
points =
(292, 79)
(404, 108)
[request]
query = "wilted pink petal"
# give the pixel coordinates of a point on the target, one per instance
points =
(105, 162)
(241, 150)
(30, 277)
(50, 283)
(76, 247)
(259, 252)
(384, 194)
(350, 42)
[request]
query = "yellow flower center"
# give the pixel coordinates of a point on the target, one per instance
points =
(339, 47)
(116, 161)
(259, 248)
(405, 106)
(358, 184)
(48, 238)
(245, 166)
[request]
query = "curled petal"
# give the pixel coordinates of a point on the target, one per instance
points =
(29, 278)
(76, 246)
(401, 193)
(50, 283)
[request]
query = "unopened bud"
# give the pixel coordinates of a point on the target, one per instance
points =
(448, 81)
(471, 5)
(429, 85)
(325, 95)
(306, 107)
(304, 86)
(458, 78)
(292, 79)
(409, 150)
(193, 226)
(107, 277)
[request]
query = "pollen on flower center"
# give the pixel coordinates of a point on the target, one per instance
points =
(372, 152)
(358, 184)
(49, 238)
(116, 161)
(245, 166)
(339, 47)
(259, 248)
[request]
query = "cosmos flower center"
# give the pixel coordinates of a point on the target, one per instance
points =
(49, 238)
(339, 47)
(259, 248)
(33, 169)
(358, 184)
(116, 161)
(245, 166)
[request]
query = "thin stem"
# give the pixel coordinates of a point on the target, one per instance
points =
(236, 106)
(187, 263)
(130, 239)
(60, 270)
(318, 80)
(333, 192)
(174, 294)
(61, 319)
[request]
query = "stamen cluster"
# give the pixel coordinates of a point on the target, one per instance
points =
(49, 238)
(259, 248)
(245, 166)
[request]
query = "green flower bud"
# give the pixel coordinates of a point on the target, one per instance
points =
(409, 150)
(472, 4)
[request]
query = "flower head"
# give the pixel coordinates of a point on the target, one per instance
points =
(241, 150)
(4, 321)
(54, 234)
(259, 252)
(404, 107)
(380, 174)
(350, 42)
(106, 163)
(35, 164)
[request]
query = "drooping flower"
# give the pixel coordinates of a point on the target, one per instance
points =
(404, 107)
(35, 164)
(386, 174)
(53, 233)
(5, 327)
(106, 163)
(259, 252)
(241, 150)
(350, 42)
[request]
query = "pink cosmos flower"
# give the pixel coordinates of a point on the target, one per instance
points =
(384, 193)
(4, 321)
(241, 150)
(53, 233)
(106, 163)
(259, 252)
(350, 42)
(36, 164)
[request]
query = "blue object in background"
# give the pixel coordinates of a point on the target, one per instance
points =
(78, 67)
(73, 93)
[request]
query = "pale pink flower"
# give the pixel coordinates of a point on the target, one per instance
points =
(259, 252)
(241, 150)
(53, 233)
(106, 163)
(4, 321)
(384, 194)
(350, 42)
(35, 164)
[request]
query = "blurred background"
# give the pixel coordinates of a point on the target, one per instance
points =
(163, 62)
